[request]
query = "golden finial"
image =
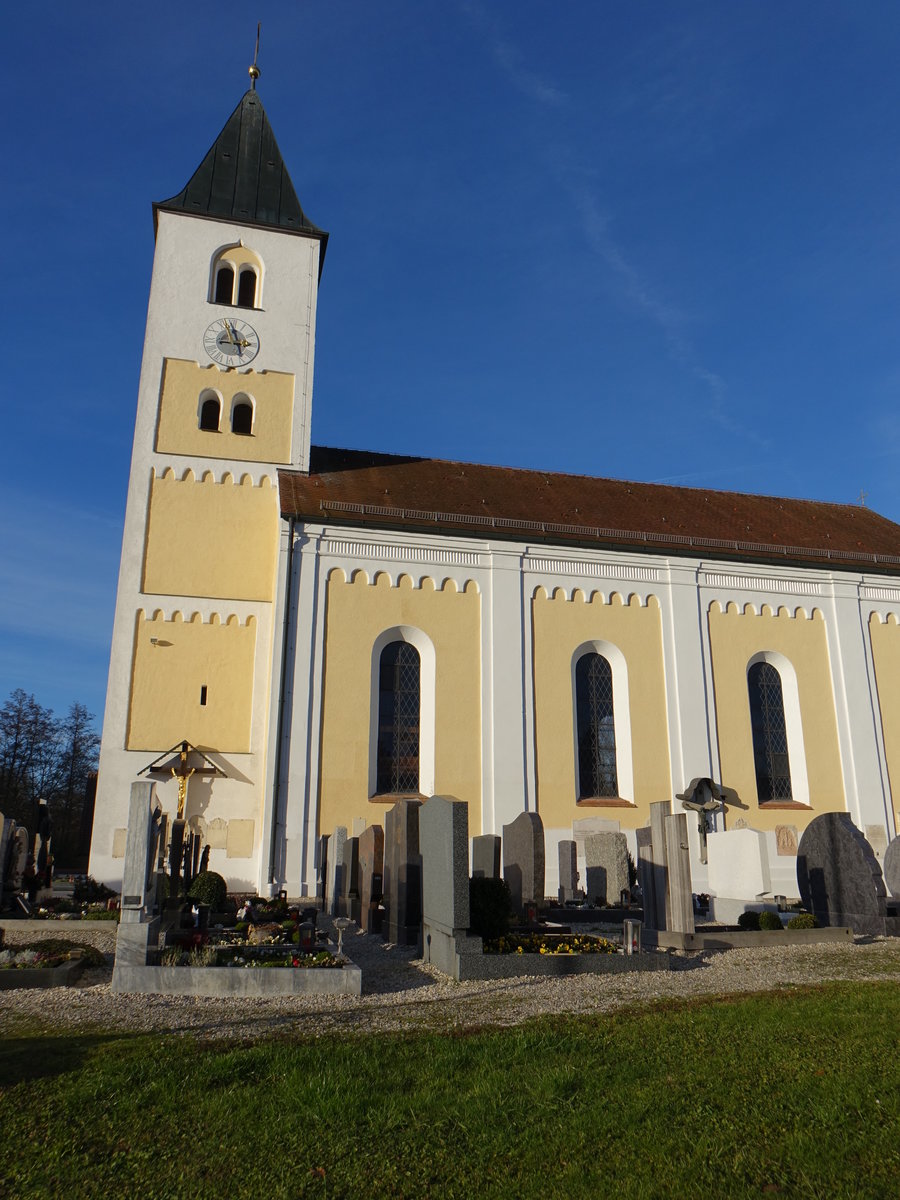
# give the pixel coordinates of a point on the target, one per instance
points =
(254, 69)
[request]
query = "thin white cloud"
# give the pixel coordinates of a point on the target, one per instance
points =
(596, 224)
(512, 61)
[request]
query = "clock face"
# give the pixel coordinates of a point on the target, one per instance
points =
(230, 342)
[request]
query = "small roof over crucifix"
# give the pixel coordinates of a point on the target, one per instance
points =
(179, 767)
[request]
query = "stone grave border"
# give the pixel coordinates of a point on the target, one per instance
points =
(469, 963)
(260, 983)
(42, 977)
(743, 939)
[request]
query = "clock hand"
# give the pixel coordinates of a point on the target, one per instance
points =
(228, 331)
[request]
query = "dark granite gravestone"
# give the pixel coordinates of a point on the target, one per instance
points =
(568, 870)
(444, 843)
(348, 900)
(646, 875)
(839, 877)
(523, 860)
(486, 856)
(892, 867)
(402, 874)
(371, 871)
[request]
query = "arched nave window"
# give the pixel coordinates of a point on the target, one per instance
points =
(398, 719)
(596, 729)
(771, 759)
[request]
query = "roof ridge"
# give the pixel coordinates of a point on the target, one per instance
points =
(452, 462)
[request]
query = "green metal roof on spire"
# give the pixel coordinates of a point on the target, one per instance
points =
(243, 178)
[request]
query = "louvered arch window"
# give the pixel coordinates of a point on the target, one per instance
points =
(399, 676)
(770, 743)
(597, 775)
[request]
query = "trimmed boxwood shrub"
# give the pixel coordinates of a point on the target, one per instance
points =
(769, 920)
(803, 921)
(749, 921)
(209, 888)
(490, 907)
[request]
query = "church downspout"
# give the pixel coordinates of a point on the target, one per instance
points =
(285, 640)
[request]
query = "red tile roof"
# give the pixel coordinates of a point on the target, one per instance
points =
(353, 487)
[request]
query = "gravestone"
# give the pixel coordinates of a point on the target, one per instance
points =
(444, 845)
(892, 867)
(334, 873)
(680, 900)
(659, 811)
(140, 851)
(7, 829)
(606, 864)
(19, 858)
(738, 871)
(839, 878)
(371, 872)
(320, 863)
(646, 875)
(403, 873)
(568, 870)
(486, 856)
(138, 930)
(348, 900)
(523, 860)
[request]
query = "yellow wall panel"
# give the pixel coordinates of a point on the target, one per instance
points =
(885, 637)
(178, 429)
(735, 637)
(357, 613)
(211, 539)
(167, 676)
(561, 626)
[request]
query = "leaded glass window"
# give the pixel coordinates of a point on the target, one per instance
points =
(596, 728)
(398, 719)
(770, 748)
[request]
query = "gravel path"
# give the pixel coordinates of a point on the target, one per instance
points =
(404, 994)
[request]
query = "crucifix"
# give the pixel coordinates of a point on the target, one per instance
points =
(184, 845)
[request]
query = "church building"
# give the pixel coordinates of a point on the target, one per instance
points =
(322, 631)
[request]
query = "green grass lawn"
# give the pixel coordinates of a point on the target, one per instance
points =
(793, 1093)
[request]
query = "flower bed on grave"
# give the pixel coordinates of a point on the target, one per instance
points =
(549, 943)
(52, 962)
(245, 956)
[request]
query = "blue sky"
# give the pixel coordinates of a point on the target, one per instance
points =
(658, 241)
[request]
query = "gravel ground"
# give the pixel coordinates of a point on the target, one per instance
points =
(401, 993)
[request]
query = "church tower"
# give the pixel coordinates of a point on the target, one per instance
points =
(224, 400)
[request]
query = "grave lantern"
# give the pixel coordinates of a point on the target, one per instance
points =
(307, 937)
(631, 937)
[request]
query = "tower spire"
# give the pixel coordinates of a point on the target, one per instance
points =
(254, 69)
